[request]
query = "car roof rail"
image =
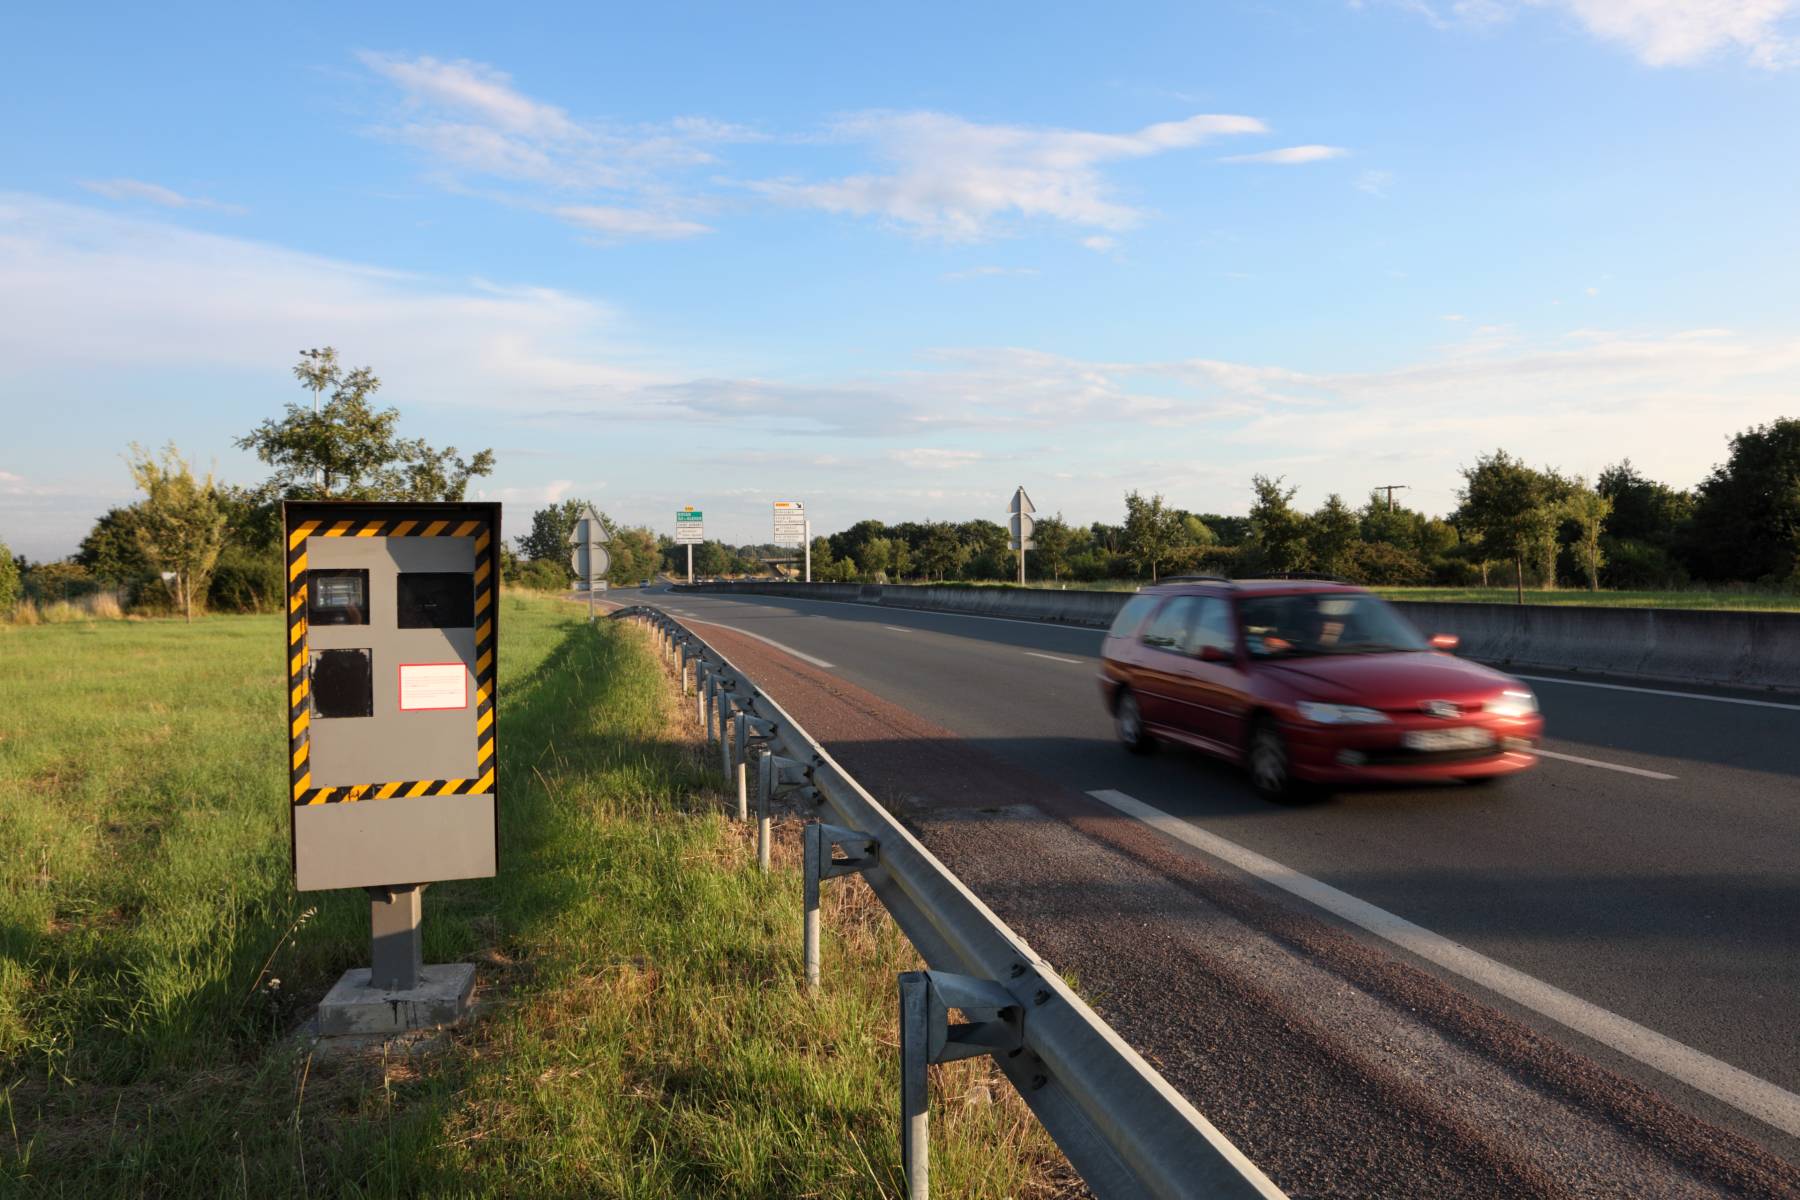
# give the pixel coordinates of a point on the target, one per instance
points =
(1193, 579)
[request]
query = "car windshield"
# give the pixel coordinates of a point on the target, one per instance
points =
(1314, 623)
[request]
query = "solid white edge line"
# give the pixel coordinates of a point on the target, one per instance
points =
(1648, 691)
(799, 654)
(1743, 1091)
(1605, 766)
(899, 629)
(1053, 657)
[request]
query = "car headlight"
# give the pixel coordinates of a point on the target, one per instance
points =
(1339, 714)
(1513, 704)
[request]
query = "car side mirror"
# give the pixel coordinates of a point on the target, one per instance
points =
(1445, 642)
(1212, 654)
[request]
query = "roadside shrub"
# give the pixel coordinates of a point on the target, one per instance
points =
(544, 575)
(1380, 564)
(1634, 565)
(9, 582)
(245, 580)
(1457, 572)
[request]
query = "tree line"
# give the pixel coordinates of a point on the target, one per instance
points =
(1515, 525)
(191, 543)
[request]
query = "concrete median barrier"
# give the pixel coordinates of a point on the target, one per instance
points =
(1739, 649)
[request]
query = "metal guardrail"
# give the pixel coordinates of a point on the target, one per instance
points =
(1124, 1129)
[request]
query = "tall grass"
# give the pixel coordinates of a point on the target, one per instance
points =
(644, 1036)
(96, 606)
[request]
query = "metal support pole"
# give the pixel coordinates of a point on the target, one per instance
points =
(765, 788)
(724, 736)
(690, 557)
(699, 701)
(808, 550)
(813, 849)
(684, 677)
(915, 1115)
(743, 764)
(740, 736)
(396, 955)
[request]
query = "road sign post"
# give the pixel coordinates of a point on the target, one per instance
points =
(690, 531)
(792, 527)
(589, 559)
(1021, 527)
(391, 637)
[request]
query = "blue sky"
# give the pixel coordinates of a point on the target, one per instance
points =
(895, 262)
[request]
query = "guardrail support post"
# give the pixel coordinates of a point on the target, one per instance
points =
(818, 865)
(765, 790)
(813, 843)
(926, 1036)
(720, 702)
(915, 1107)
(743, 769)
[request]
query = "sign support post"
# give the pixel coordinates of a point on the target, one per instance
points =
(589, 559)
(793, 528)
(690, 530)
(1022, 525)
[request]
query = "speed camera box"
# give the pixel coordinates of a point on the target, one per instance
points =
(392, 622)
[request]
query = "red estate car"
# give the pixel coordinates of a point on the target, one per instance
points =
(1308, 682)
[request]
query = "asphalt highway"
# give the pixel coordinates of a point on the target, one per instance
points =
(1648, 866)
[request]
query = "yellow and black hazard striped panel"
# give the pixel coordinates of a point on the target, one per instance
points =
(487, 583)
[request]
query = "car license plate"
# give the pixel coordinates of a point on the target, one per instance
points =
(1467, 738)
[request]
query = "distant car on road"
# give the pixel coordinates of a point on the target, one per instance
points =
(1308, 682)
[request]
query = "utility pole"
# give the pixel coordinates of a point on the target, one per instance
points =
(1390, 489)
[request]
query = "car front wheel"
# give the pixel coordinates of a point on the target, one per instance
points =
(1128, 719)
(1271, 767)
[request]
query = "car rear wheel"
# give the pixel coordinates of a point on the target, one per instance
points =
(1128, 719)
(1271, 767)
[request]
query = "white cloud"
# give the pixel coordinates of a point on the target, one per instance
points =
(1661, 33)
(936, 458)
(87, 287)
(1100, 243)
(155, 193)
(1375, 183)
(1667, 33)
(955, 179)
(88, 295)
(1289, 156)
(625, 222)
(469, 121)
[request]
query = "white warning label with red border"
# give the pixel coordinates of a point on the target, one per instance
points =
(429, 686)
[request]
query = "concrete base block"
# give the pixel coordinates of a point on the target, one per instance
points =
(354, 1009)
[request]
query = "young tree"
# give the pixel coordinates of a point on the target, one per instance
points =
(1332, 536)
(111, 552)
(942, 552)
(551, 527)
(181, 526)
(1277, 529)
(1052, 538)
(1588, 510)
(1747, 516)
(348, 450)
(1153, 532)
(1642, 509)
(876, 556)
(900, 561)
(1506, 503)
(9, 582)
(710, 558)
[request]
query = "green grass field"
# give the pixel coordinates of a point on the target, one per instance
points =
(645, 1037)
